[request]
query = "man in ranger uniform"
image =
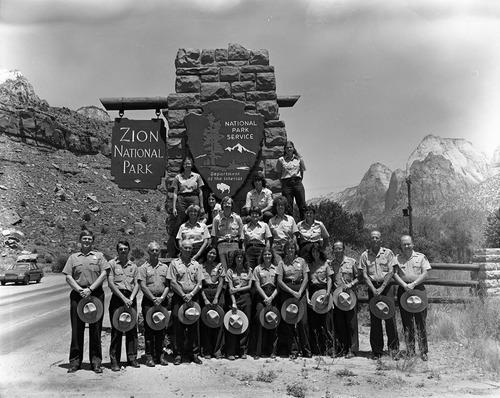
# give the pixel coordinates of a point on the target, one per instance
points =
(376, 264)
(411, 269)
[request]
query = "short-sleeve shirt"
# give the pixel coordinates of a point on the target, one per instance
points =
(196, 233)
(377, 265)
(188, 276)
(239, 279)
(125, 276)
(266, 276)
(227, 227)
(410, 269)
(345, 271)
(282, 229)
(211, 277)
(188, 185)
(260, 200)
(294, 272)
(257, 233)
(318, 275)
(292, 168)
(155, 277)
(312, 233)
(85, 268)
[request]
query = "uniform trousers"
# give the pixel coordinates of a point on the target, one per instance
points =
(321, 333)
(346, 330)
(292, 188)
(78, 330)
(153, 339)
(186, 337)
(408, 319)
(253, 253)
(212, 339)
(267, 339)
(296, 335)
(376, 331)
(225, 249)
(237, 344)
(115, 347)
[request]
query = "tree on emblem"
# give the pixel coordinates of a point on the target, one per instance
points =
(212, 139)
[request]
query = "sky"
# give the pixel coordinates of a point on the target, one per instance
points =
(374, 77)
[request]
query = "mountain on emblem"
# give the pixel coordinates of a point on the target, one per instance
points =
(225, 143)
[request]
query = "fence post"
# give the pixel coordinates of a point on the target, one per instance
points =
(489, 272)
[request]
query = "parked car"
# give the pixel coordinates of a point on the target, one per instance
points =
(24, 270)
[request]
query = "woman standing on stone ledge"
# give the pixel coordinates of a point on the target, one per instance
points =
(291, 169)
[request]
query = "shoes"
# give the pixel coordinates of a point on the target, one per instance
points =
(197, 360)
(424, 357)
(350, 355)
(307, 355)
(98, 369)
(376, 356)
(177, 360)
(163, 361)
(231, 358)
(208, 357)
(134, 364)
(243, 356)
(115, 367)
(272, 356)
(150, 363)
(256, 357)
(293, 357)
(73, 369)
(218, 356)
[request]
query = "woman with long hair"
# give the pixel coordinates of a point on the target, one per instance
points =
(311, 231)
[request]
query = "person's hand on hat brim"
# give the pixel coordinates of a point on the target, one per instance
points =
(157, 301)
(325, 298)
(206, 301)
(216, 301)
(187, 297)
(234, 308)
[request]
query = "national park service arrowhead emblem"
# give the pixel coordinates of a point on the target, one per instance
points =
(225, 143)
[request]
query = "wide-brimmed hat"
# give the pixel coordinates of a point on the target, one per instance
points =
(157, 317)
(236, 322)
(212, 316)
(414, 300)
(344, 300)
(292, 310)
(382, 307)
(316, 301)
(269, 317)
(124, 318)
(90, 309)
(189, 313)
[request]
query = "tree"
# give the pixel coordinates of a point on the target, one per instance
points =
(492, 231)
(212, 137)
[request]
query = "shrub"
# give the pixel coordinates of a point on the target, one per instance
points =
(144, 218)
(297, 390)
(86, 217)
(59, 264)
(136, 254)
(266, 377)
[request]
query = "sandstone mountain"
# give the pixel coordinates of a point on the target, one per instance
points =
(445, 174)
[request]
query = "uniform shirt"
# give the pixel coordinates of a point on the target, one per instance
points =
(318, 275)
(345, 271)
(211, 277)
(377, 265)
(294, 272)
(125, 276)
(187, 185)
(266, 276)
(227, 227)
(239, 279)
(293, 168)
(282, 229)
(410, 269)
(186, 275)
(85, 268)
(154, 277)
(196, 233)
(260, 200)
(313, 232)
(257, 233)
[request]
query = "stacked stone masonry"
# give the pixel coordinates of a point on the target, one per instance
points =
(233, 73)
(489, 271)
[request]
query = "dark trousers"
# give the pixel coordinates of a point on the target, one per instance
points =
(212, 339)
(267, 339)
(321, 333)
(376, 331)
(292, 188)
(78, 330)
(186, 337)
(115, 347)
(409, 321)
(237, 344)
(346, 330)
(253, 254)
(153, 339)
(296, 335)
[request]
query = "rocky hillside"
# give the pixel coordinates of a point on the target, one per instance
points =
(446, 174)
(55, 179)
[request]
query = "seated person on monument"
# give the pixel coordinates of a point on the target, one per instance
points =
(260, 197)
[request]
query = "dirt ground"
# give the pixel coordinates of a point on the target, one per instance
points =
(448, 373)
